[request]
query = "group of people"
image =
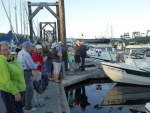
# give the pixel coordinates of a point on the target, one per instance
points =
(18, 73)
(79, 56)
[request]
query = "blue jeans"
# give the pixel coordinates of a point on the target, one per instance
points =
(82, 63)
(11, 105)
(29, 90)
(47, 67)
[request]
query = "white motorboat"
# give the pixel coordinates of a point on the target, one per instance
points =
(132, 97)
(135, 70)
(129, 50)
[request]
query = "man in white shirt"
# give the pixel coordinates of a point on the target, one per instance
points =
(120, 46)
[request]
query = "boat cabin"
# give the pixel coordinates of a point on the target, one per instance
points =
(136, 50)
(94, 49)
(141, 61)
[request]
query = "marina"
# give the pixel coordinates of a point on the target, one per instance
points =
(102, 71)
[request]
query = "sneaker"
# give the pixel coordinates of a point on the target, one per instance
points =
(70, 73)
(31, 110)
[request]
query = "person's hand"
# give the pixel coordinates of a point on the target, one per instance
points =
(38, 63)
(17, 97)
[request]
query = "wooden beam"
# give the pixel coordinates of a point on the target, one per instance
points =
(63, 31)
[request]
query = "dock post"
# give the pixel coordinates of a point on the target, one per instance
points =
(63, 69)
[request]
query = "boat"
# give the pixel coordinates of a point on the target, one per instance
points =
(109, 56)
(132, 97)
(135, 70)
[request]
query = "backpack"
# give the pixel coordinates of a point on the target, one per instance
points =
(41, 85)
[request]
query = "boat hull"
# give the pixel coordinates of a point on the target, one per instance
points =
(126, 75)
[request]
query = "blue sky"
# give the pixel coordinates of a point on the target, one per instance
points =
(90, 17)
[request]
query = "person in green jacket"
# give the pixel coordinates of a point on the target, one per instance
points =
(12, 82)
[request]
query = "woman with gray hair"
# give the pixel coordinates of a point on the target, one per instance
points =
(12, 83)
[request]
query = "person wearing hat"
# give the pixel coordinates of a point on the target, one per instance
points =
(56, 59)
(25, 59)
(59, 47)
(77, 55)
(12, 82)
(37, 56)
(120, 46)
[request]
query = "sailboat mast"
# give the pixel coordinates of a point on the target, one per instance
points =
(24, 17)
(27, 25)
(8, 19)
(16, 16)
(26, 20)
(9, 14)
(21, 14)
(111, 30)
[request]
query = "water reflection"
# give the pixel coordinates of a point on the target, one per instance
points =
(81, 99)
(107, 98)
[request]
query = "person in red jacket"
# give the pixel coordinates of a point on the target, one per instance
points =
(37, 56)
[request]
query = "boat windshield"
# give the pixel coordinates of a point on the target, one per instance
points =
(91, 49)
(129, 51)
(109, 48)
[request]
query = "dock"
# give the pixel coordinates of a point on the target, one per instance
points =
(55, 98)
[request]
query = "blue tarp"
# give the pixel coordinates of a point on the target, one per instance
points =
(8, 37)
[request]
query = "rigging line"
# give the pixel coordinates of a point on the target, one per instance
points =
(1, 18)
(9, 12)
(35, 25)
(106, 32)
(27, 14)
(15, 7)
(9, 19)
(21, 15)
(20, 11)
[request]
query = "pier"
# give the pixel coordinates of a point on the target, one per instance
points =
(55, 98)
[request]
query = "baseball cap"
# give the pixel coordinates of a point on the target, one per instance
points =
(27, 43)
(38, 46)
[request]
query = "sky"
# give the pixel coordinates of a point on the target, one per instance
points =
(92, 18)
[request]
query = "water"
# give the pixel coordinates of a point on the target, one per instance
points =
(90, 97)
